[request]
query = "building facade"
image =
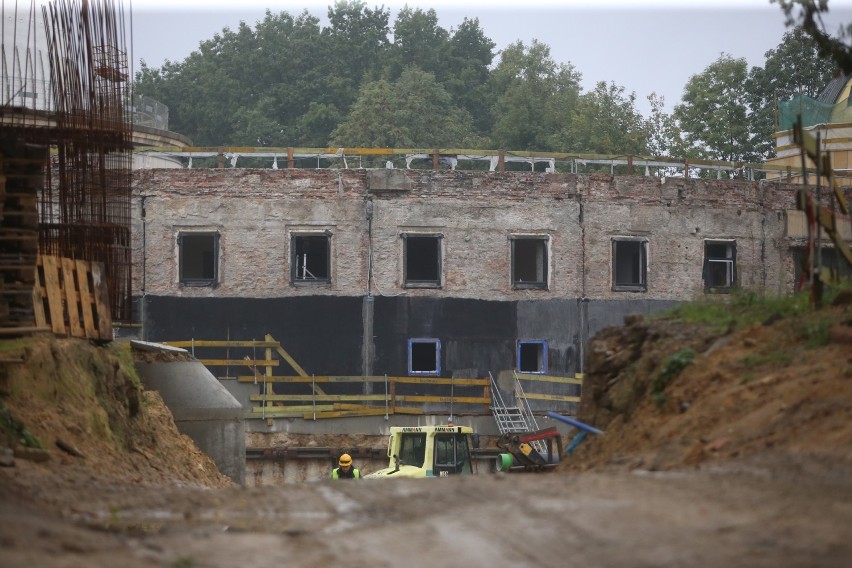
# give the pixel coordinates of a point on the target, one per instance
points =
(442, 273)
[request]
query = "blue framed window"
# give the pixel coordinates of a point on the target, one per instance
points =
(424, 356)
(532, 356)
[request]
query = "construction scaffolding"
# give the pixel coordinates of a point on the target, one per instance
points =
(65, 94)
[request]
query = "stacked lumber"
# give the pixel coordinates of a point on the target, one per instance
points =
(21, 178)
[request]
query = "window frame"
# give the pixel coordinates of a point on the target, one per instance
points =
(731, 261)
(193, 281)
(439, 245)
(542, 367)
(544, 282)
(294, 257)
(412, 448)
(457, 444)
(420, 341)
(642, 285)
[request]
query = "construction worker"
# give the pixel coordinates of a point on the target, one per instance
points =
(346, 469)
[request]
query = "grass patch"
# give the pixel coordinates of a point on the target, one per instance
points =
(814, 332)
(739, 310)
(758, 360)
(672, 367)
(12, 345)
(13, 429)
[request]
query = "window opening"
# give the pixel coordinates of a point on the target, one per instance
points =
(311, 258)
(720, 265)
(424, 357)
(198, 258)
(532, 356)
(452, 454)
(629, 258)
(529, 262)
(412, 449)
(422, 260)
(832, 260)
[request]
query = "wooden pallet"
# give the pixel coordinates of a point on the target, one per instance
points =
(71, 298)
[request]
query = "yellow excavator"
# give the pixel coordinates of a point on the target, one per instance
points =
(427, 451)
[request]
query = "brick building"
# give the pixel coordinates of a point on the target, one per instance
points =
(448, 273)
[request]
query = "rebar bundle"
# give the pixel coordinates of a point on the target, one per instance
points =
(84, 205)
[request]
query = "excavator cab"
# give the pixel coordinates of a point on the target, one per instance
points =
(428, 451)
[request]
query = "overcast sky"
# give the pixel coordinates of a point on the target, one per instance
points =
(646, 46)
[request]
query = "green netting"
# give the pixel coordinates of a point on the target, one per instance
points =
(813, 112)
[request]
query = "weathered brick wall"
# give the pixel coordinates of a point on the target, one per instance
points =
(476, 212)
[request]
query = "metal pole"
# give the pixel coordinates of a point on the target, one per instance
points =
(817, 289)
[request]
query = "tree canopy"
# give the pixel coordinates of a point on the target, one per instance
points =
(413, 112)
(713, 112)
(364, 80)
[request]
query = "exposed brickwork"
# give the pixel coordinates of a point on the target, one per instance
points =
(475, 212)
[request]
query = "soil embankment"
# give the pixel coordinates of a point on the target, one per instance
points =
(722, 448)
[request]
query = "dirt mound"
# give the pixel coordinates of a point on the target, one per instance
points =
(670, 394)
(74, 409)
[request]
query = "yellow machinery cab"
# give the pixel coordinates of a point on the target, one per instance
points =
(427, 451)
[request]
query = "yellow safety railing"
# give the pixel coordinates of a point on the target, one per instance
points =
(334, 396)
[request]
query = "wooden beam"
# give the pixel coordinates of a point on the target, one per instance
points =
(86, 299)
(550, 379)
(238, 362)
(319, 397)
(72, 297)
(345, 413)
(556, 397)
(455, 399)
(54, 297)
(210, 343)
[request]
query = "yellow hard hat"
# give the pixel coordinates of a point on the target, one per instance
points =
(345, 460)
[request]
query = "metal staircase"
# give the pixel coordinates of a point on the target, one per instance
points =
(511, 419)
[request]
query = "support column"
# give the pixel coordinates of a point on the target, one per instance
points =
(368, 347)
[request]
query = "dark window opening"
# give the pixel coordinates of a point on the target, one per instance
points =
(452, 455)
(529, 262)
(412, 449)
(311, 258)
(198, 258)
(720, 265)
(424, 357)
(831, 260)
(629, 259)
(422, 260)
(532, 356)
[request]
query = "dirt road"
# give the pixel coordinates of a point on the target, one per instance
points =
(759, 513)
(750, 447)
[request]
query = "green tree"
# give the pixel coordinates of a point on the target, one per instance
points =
(358, 46)
(606, 122)
(664, 138)
(467, 68)
(419, 40)
(413, 112)
(535, 99)
(805, 14)
(713, 114)
(241, 80)
(793, 68)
